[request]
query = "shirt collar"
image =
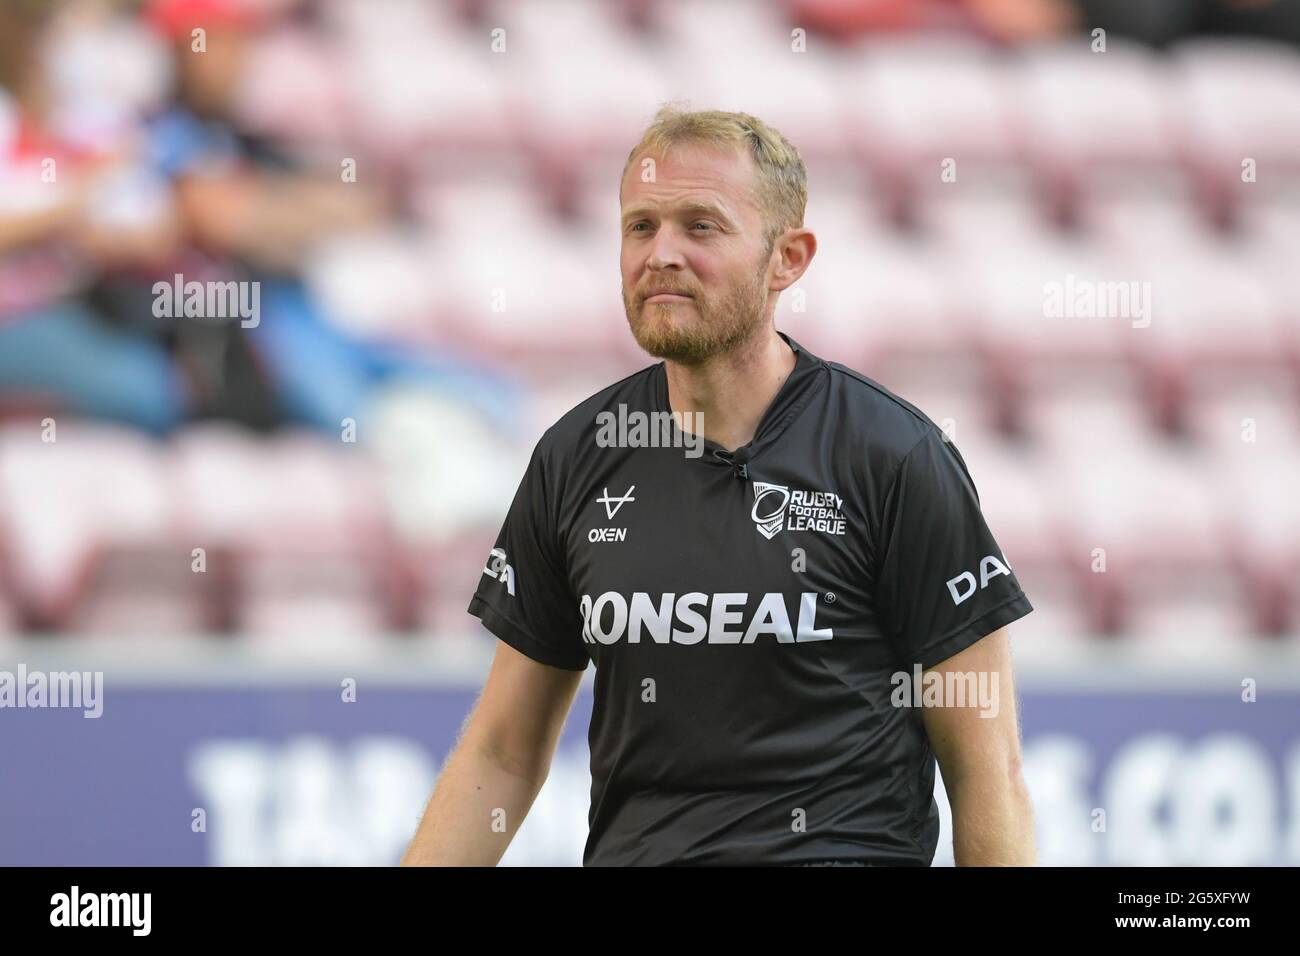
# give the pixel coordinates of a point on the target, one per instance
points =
(800, 385)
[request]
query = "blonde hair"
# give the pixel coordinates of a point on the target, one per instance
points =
(781, 180)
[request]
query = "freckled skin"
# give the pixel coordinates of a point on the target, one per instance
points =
(719, 257)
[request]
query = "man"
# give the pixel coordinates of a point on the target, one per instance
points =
(756, 612)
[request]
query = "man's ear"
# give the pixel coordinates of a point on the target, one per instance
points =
(796, 248)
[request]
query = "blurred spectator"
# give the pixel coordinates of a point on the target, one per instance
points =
(98, 204)
(68, 211)
(256, 212)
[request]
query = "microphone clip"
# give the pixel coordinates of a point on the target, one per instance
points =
(738, 460)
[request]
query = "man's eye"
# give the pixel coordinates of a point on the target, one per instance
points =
(707, 225)
(638, 225)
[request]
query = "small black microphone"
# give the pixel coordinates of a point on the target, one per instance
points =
(738, 460)
(740, 463)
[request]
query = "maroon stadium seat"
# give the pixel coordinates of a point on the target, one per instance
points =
(296, 525)
(92, 531)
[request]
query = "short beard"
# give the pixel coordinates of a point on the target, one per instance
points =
(718, 328)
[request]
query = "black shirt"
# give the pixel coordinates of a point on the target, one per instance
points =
(745, 613)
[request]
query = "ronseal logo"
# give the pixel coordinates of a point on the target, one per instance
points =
(700, 618)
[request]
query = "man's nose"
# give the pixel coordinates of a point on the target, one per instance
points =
(666, 249)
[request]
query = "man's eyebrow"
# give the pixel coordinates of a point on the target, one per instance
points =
(696, 207)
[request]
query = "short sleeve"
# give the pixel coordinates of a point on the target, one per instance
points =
(523, 594)
(942, 582)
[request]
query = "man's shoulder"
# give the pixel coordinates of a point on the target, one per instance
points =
(889, 423)
(576, 429)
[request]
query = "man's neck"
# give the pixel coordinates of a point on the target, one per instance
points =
(731, 391)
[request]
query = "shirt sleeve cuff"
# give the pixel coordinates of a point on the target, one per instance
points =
(1010, 610)
(521, 640)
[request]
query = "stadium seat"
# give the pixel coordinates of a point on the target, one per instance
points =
(1142, 523)
(1090, 420)
(444, 469)
(1247, 421)
(576, 111)
(968, 215)
(1059, 622)
(297, 528)
(447, 573)
(895, 308)
(1191, 618)
(800, 93)
(1255, 487)
(1267, 239)
(402, 69)
(1012, 483)
(1212, 321)
(1039, 321)
(533, 291)
(914, 103)
(1082, 116)
(91, 529)
(1239, 101)
(380, 286)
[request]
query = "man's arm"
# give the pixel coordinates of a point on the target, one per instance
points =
(979, 757)
(497, 768)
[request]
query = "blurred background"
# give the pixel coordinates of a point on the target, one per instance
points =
(1068, 231)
